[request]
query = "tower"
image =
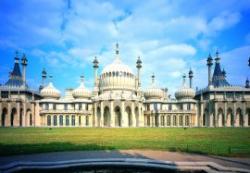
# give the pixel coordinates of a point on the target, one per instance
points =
(190, 75)
(209, 67)
(24, 65)
(138, 66)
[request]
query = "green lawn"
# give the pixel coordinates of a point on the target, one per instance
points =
(218, 141)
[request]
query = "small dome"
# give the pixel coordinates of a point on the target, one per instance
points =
(184, 92)
(154, 92)
(50, 92)
(81, 91)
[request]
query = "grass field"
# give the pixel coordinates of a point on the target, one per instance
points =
(217, 141)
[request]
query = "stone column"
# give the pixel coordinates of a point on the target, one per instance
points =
(24, 115)
(17, 116)
(102, 111)
(37, 117)
(133, 114)
(215, 115)
(123, 119)
(201, 117)
(7, 118)
(225, 114)
(158, 119)
(112, 115)
(95, 115)
(245, 120)
(33, 113)
(234, 114)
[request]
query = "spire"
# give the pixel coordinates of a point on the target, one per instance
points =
(209, 60)
(219, 76)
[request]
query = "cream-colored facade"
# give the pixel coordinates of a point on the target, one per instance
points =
(118, 100)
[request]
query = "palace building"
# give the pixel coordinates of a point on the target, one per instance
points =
(118, 100)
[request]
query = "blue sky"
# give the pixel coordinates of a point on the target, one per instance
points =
(63, 36)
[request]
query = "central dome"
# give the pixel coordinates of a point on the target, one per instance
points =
(117, 66)
(117, 75)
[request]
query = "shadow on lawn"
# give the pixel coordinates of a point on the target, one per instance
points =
(17, 149)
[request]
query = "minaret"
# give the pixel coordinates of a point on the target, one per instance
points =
(209, 65)
(24, 65)
(138, 66)
(190, 75)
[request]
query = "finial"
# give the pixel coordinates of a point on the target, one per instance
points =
(138, 62)
(190, 73)
(217, 59)
(24, 60)
(95, 62)
(209, 60)
(153, 78)
(16, 57)
(44, 73)
(82, 78)
(184, 79)
(117, 49)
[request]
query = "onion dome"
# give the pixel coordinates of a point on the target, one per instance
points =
(95, 63)
(50, 92)
(184, 92)
(117, 65)
(154, 92)
(81, 91)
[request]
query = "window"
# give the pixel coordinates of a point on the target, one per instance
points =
(181, 106)
(55, 120)
(73, 123)
(87, 107)
(170, 107)
(87, 120)
(187, 121)
(67, 120)
(46, 106)
(65, 106)
(188, 106)
(30, 119)
(181, 120)
(80, 122)
(80, 106)
(54, 106)
(48, 120)
(174, 121)
(61, 120)
(148, 107)
(168, 120)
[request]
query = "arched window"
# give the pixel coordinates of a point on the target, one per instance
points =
(61, 120)
(48, 120)
(80, 120)
(116, 74)
(55, 120)
(113, 73)
(87, 120)
(174, 120)
(181, 120)
(109, 74)
(186, 120)
(168, 120)
(31, 119)
(67, 120)
(73, 123)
